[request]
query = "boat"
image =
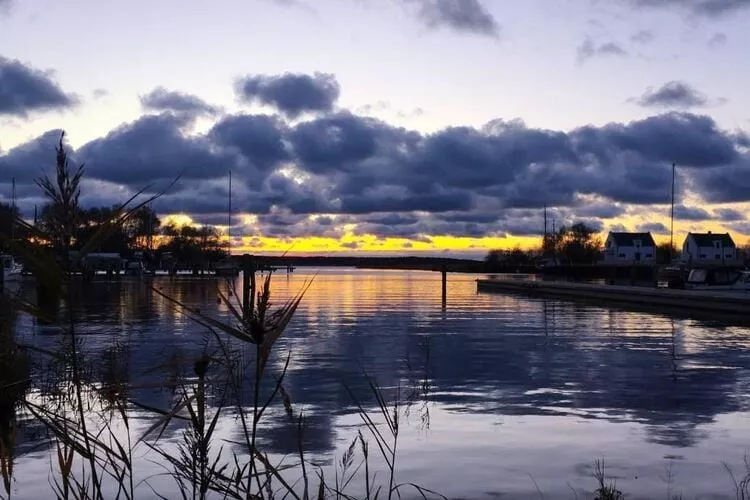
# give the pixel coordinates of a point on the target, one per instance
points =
(719, 279)
(12, 270)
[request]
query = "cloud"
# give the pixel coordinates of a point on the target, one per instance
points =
(292, 94)
(313, 177)
(653, 227)
(161, 99)
(153, 149)
(589, 49)
(99, 93)
(708, 8)
(618, 228)
(31, 159)
(717, 40)
(729, 215)
(462, 16)
(24, 90)
(682, 212)
(673, 94)
(643, 37)
(258, 139)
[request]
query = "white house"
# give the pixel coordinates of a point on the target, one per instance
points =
(629, 247)
(709, 248)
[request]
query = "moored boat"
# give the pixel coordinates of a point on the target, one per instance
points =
(12, 270)
(719, 279)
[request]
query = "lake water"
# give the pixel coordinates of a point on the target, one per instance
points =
(507, 395)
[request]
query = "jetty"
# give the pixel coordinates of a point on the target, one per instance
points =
(719, 302)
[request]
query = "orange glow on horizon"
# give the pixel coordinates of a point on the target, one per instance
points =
(351, 243)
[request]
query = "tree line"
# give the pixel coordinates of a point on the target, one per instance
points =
(64, 224)
(578, 244)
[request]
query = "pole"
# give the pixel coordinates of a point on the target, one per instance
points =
(671, 224)
(229, 218)
(444, 273)
(13, 211)
(544, 239)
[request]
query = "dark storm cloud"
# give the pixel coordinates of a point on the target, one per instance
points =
(31, 159)
(463, 16)
(730, 183)
(589, 49)
(729, 215)
(691, 213)
(152, 149)
(24, 90)
(673, 94)
(653, 227)
(602, 210)
(394, 181)
(161, 99)
(709, 8)
(259, 139)
(292, 94)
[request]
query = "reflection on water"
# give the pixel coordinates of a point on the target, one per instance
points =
(502, 387)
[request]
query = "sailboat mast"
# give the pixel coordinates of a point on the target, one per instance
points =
(229, 217)
(13, 210)
(671, 224)
(544, 238)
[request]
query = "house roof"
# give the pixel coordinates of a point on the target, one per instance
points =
(707, 239)
(626, 239)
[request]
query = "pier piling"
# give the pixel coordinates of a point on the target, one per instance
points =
(444, 273)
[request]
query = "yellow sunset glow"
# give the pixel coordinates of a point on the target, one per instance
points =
(351, 242)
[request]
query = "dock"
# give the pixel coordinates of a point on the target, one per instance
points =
(688, 300)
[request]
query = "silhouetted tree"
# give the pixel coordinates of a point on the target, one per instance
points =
(579, 244)
(665, 253)
(193, 246)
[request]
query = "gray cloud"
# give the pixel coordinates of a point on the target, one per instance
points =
(653, 227)
(463, 16)
(291, 94)
(729, 215)
(161, 99)
(673, 94)
(24, 90)
(717, 40)
(589, 49)
(709, 8)
(643, 37)
(392, 181)
(691, 213)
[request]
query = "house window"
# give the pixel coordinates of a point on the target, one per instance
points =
(622, 255)
(648, 255)
(716, 244)
(703, 256)
(637, 243)
(717, 256)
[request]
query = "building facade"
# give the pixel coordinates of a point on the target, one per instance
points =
(629, 248)
(709, 248)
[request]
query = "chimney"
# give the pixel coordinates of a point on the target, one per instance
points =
(709, 232)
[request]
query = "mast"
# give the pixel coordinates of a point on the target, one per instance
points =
(13, 210)
(229, 218)
(544, 238)
(671, 224)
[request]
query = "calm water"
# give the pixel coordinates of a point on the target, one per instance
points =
(508, 394)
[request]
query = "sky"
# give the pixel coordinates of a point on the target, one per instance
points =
(427, 127)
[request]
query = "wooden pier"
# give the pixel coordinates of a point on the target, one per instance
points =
(688, 300)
